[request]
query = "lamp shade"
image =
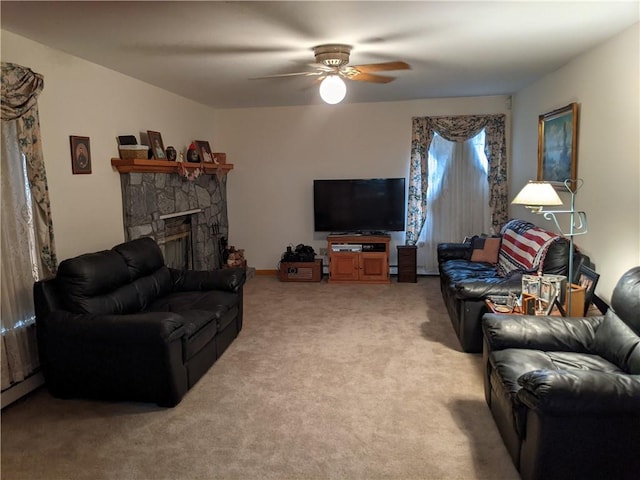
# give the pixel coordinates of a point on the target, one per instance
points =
(537, 194)
(333, 89)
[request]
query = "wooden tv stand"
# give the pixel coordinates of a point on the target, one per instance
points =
(363, 258)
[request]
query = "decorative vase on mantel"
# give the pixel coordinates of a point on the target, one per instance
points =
(171, 153)
(192, 154)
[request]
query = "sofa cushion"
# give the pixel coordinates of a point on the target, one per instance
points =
(142, 256)
(224, 306)
(616, 342)
(477, 280)
(523, 247)
(485, 249)
(198, 300)
(97, 283)
(152, 286)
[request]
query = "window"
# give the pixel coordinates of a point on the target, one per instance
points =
(457, 196)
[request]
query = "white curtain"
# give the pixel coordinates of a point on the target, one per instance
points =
(19, 268)
(457, 197)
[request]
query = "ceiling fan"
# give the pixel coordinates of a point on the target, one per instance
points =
(332, 66)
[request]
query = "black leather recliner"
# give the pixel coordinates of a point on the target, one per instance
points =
(120, 325)
(565, 392)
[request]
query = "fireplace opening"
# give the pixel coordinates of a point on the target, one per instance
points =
(178, 249)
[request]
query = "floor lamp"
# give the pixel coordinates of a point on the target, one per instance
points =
(538, 195)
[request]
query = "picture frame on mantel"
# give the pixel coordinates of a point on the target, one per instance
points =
(80, 154)
(156, 145)
(204, 150)
(558, 145)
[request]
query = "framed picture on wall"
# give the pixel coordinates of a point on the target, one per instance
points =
(80, 154)
(558, 145)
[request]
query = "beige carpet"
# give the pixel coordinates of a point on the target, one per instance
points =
(324, 382)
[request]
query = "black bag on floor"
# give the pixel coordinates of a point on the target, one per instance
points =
(302, 253)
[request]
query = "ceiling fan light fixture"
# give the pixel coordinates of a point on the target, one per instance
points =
(332, 55)
(333, 89)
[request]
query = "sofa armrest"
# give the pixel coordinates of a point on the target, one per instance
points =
(575, 334)
(228, 279)
(121, 357)
(138, 329)
(453, 251)
(580, 391)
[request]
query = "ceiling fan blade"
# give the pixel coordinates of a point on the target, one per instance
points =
(294, 74)
(369, 77)
(382, 67)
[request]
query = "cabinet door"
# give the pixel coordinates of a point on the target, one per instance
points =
(344, 266)
(374, 266)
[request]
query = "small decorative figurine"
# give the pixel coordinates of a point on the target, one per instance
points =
(171, 153)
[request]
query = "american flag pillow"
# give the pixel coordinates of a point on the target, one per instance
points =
(523, 247)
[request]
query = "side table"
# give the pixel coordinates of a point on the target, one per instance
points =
(407, 263)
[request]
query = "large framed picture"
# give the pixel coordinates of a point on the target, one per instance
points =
(156, 145)
(588, 279)
(558, 145)
(80, 154)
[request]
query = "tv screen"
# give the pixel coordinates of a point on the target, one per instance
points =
(365, 205)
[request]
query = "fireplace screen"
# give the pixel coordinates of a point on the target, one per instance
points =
(178, 251)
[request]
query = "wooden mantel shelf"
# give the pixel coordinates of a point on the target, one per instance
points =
(165, 166)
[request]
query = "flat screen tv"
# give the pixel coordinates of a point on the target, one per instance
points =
(359, 206)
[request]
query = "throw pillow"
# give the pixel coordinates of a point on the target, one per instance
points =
(485, 249)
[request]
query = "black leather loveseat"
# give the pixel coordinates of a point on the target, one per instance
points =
(120, 325)
(466, 283)
(565, 392)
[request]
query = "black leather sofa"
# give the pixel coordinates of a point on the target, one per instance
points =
(565, 392)
(120, 325)
(466, 284)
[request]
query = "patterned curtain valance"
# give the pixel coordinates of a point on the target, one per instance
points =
(458, 128)
(20, 90)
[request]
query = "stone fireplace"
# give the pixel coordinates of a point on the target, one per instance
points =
(186, 218)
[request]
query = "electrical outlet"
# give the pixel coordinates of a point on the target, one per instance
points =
(324, 251)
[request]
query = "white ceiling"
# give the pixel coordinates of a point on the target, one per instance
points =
(210, 51)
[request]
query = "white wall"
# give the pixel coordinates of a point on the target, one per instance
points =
(278, 152)
(605, 84)
(82, 98)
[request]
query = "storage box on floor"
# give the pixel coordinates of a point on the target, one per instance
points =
(300, 271)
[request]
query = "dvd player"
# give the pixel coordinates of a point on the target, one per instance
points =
(373, 247)
(346, 247)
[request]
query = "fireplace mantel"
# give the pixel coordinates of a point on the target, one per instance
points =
(135, 165)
